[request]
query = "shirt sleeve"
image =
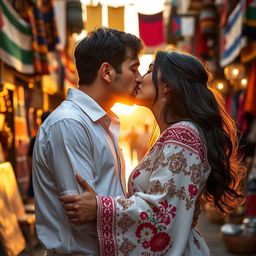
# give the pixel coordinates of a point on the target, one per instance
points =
(158, 219)
(68, 151)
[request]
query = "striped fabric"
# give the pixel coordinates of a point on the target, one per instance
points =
(45, 36)
(208, 19)
(231, 35)
(21, 138)
(15, 40)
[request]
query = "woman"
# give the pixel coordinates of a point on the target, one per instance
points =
(196, 154)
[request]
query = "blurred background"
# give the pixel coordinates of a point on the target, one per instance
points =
(37, 39)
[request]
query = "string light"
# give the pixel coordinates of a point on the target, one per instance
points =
(220, 86)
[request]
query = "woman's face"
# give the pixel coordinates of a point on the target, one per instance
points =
(146, 92)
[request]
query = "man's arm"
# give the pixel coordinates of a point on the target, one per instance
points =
(69, 151)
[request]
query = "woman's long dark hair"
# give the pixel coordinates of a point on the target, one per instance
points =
(191, 99)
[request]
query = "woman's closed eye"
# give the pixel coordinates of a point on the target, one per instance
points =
(148, 72)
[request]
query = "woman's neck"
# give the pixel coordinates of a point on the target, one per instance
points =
(160, 120)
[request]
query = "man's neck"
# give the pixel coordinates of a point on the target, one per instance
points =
(98, 94)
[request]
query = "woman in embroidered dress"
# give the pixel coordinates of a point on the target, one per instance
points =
(196, 154)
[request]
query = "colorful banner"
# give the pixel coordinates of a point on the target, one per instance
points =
(116, 18)
(15, 40)
(152, 29)
(231, 35)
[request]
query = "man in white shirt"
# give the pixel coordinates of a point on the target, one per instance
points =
(80, 136)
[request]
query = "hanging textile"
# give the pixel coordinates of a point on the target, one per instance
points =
(176, 26)
(173, 25)
(94, 17)
(187, 25)
(248, 53)
(52, 83)
(231, 36)
(250, 102)
(15, 40)
(45, 36)
(116, 17)
(50, 24)
(200, 44)
(60, 13)
(208, 18)
(227, 8)
(152, 29)
(250, 20)
(21, 139)
(39, 41)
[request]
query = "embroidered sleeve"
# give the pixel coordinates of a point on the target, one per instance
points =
(157, 218)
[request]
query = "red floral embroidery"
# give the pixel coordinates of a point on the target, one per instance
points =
(146, 230)
(106, 225)
(143, 215)
(186, 136)
(146, 244)
(159, 242)
(136, 174)
(193, 190)
(154, 222)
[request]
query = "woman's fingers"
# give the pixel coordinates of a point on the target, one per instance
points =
(84, 184)
(69, 207)
(74, 220)
(71, 214)
(68, 199)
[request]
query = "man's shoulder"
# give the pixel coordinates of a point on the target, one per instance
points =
(68, 110)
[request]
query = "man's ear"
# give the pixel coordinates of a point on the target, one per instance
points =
(106, 72)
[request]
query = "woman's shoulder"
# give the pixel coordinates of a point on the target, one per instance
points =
(187, 135)
(183, 127)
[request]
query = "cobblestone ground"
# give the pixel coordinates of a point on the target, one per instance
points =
(210, 232)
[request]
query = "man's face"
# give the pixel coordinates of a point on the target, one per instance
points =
(124, 86)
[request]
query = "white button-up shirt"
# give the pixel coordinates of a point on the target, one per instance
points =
(78, 137)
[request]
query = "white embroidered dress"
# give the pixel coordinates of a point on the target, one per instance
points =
(157, 217)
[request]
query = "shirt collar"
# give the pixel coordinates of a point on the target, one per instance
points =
(88, 105)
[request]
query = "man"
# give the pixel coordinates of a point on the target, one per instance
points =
(80, 136)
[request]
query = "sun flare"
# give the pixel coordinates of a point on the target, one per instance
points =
(121, 109)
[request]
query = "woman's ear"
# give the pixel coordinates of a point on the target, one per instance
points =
(166, 89)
